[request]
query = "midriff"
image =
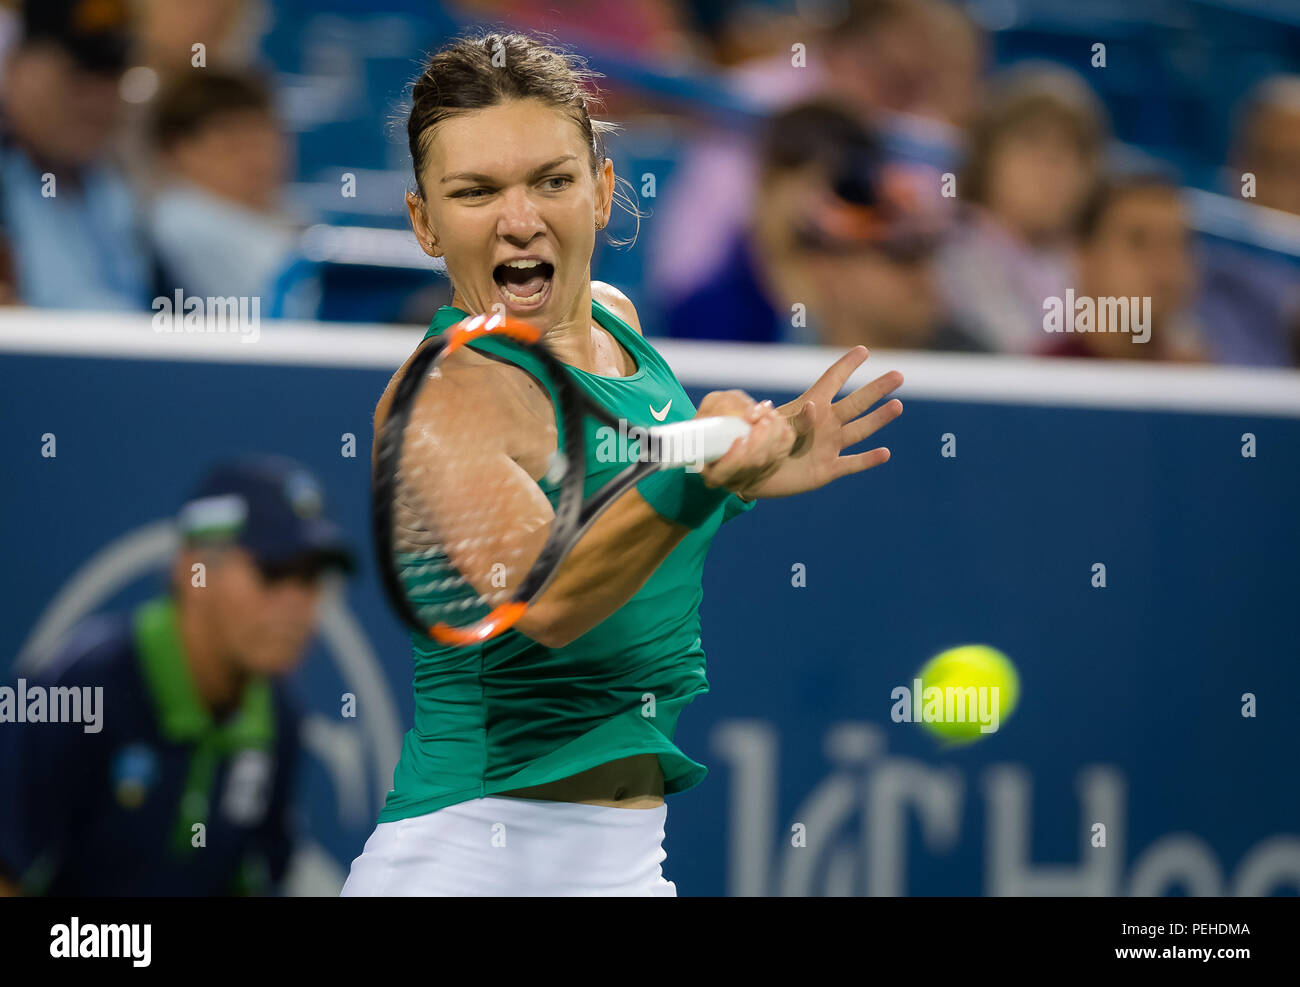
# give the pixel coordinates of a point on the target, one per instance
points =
(635, 782)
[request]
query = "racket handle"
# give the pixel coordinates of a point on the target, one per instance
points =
(696, 440)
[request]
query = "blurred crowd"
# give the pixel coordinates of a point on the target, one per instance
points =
(142, 151)
(995, 255)
(135, 159)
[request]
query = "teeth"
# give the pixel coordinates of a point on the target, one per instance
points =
(523, 263)
(520, 299)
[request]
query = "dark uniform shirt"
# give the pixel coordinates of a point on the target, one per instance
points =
(112, 811)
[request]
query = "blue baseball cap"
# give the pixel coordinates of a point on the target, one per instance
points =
(271, 505)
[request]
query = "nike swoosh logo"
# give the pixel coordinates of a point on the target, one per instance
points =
(661, 415)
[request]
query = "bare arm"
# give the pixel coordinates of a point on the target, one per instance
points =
(463, 463)
(610, 563)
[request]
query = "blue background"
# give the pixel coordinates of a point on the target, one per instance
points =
(1142, 679)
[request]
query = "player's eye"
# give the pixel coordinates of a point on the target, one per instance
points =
(470, 193)
(564, 180)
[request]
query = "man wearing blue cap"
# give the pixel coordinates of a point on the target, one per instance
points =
(176, 777)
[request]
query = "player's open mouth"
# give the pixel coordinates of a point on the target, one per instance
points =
(524, 285)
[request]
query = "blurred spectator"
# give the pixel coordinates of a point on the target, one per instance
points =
(1035, 149)
(1251, 299)
(653, 30)
(958, 52)
(1135, 245)
(180, 780)
(68, 217)
(839, 241)
(223, 165)
(875, 56)
(10, 27)
(906, 65)
(229, 30)
(1268, 143)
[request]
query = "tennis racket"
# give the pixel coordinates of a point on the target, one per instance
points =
(430, 531)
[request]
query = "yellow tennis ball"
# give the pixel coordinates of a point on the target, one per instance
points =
(958, 701)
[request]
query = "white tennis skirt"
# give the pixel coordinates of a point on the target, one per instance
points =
(516, 847)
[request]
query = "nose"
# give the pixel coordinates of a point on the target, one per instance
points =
(519, 220)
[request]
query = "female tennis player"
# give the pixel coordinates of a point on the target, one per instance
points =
(539, 759)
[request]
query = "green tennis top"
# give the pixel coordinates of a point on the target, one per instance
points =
(511, 713)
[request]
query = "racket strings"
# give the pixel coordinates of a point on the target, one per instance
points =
(424, 543)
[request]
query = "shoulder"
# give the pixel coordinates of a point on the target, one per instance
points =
(100, 647)
(616, 302)
(480, 404)
(466, 373)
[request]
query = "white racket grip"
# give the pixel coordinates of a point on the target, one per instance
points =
(696, 440)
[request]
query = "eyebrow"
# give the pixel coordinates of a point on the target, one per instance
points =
(471, 176)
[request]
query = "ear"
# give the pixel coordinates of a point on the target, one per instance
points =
(424, 233)
(605, 198)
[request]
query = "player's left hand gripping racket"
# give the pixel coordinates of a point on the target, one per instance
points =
(436, 597)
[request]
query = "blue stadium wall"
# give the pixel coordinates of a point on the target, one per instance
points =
(1131, 706)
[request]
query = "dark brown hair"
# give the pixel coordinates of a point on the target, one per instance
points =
(478, 71)
(1115, 185)
(191, 100)
(818, 131)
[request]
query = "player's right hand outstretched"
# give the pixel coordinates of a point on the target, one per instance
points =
(824, 428)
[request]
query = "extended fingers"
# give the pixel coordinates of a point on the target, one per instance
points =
(833, 378)
(846, 465)
(855, 431)
(865, 396)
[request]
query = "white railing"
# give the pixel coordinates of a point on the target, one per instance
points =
(760, 369)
